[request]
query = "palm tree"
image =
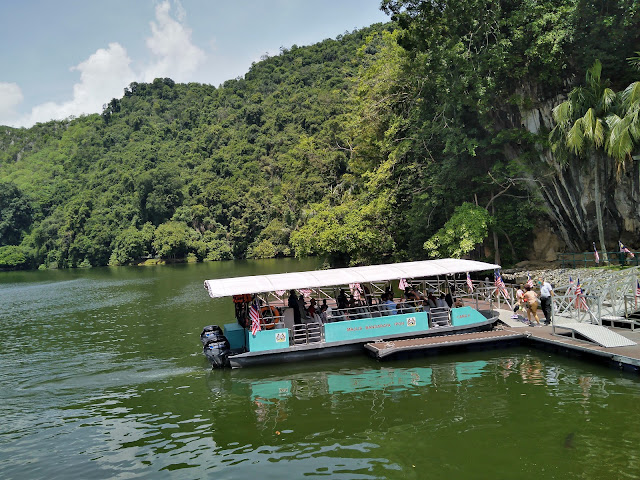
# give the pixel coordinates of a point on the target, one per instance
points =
(624, 125)
(581, 126)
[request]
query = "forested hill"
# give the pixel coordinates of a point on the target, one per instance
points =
(435, 135)
(171, 169)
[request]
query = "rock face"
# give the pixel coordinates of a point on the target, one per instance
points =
(546, 244)
(567, 192)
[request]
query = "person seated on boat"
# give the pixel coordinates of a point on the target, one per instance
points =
(342, 300)
(303, 308)
(323, 311)
(431, 299)
(457, 302)
(353, 308)
(404, 306)
(449, 299)
(411, 296)
(312, 307)
(368, 298)
(293, 303)
(391, 306)
(441, 302)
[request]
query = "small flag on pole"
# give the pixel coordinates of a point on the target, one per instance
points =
(255, 319)
(581, 302)
(402, 284)
(529, 281)
(596, 257)
(626, 250)
(500, 286)
(469, 283)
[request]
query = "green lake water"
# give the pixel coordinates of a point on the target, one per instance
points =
(102, 376)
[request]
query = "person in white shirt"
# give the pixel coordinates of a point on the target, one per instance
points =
(546, 292)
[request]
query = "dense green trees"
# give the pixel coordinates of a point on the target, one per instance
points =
(393, 142)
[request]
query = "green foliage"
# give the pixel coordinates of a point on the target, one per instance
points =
(15, 214)
(132, 244)
(466, 228)
(349, 231)
(171, 240)
(12, 257)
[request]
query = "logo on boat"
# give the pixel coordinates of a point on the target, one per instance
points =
(280, 337)
(411, 322)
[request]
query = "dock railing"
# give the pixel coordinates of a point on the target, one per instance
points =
(587, 259)
(566, 308)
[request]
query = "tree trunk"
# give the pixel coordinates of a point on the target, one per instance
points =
(496, 248)
(599, 160)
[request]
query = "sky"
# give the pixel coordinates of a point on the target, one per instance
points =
(62, 58)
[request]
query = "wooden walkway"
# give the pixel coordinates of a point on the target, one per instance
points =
(508, 329)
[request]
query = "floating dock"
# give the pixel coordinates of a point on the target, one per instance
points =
(385, 349)
(618, 347)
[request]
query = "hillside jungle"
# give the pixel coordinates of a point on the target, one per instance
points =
(458, 128)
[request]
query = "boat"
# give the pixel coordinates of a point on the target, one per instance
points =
(386, 302)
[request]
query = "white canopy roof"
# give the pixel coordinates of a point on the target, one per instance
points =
(225, 287)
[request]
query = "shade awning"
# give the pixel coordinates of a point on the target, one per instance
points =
(226, 287)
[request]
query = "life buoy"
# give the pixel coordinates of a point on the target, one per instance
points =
(268, 314)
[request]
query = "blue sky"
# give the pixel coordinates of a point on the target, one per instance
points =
(69, 57)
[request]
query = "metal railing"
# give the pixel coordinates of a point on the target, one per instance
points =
(586, 259)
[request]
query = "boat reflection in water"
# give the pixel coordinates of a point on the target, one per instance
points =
(342, 394)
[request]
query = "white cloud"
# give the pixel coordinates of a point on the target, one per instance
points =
(170, 42)
(10, 97)
(106, 73)
(103, 76)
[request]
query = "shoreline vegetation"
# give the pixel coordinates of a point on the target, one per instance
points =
(388, 143)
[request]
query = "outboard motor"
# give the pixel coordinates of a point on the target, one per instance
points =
(216, 346)
(210, 332)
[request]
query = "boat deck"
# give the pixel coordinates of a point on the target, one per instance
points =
(536, 336)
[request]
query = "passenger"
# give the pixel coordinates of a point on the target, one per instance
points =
(367, 295)
(519, 301)
(458, 302)
(341, 300)
(323, 311)
(532, 304)
(449, 299)
(431, 299)
(391, 306)
(302, 307)
(440, 302)
(293, 303)
(312, 307)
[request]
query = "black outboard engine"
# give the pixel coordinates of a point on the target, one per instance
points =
(216, 346)
(209, 332)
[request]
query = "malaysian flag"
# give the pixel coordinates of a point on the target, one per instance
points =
(356, 289)
(500, 286)
(469, 283)
(596, 257)
(581, 302)
(529, 281)
(626, 250)
(255, 319)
